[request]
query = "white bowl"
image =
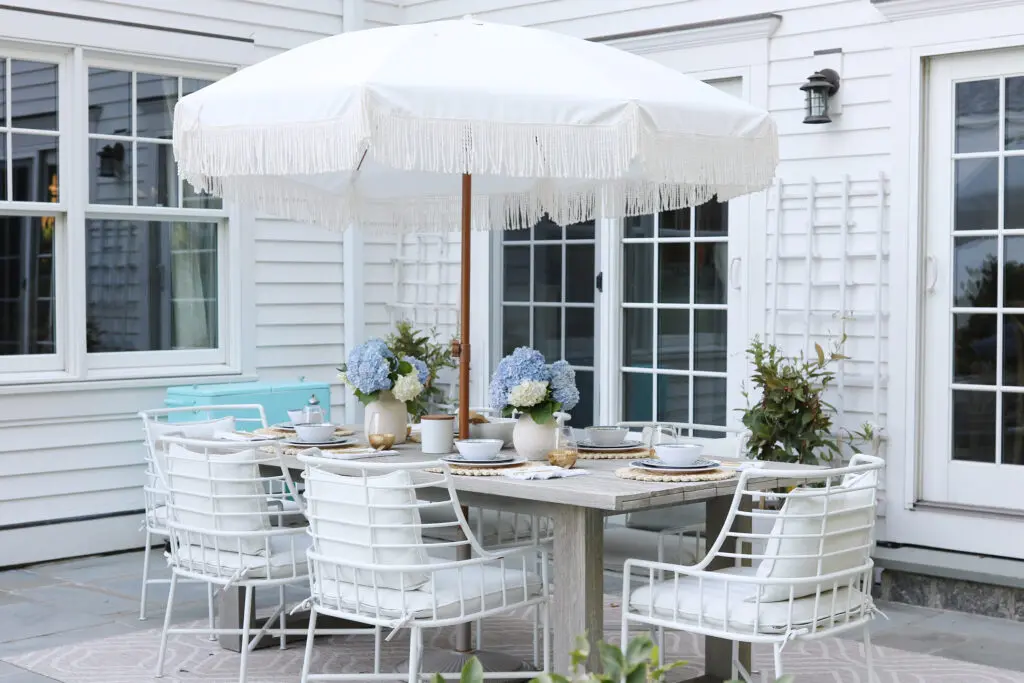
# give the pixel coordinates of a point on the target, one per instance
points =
(296, 416)
(606, 436)
(479, 449)
(314, 433)
(496, 428)
(679, 454)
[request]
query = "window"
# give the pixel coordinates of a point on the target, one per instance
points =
(151, 285)
(144, 285)
(548, 300)
(674, 317)
(30, 176)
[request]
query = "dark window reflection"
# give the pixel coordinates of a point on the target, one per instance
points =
(547, 229)
(637, 397)
(977, 194)
(583, 413)
(34, 95)
(579, 273)
(1013, 194)
(709, 400)
(1013, 350)
(580, 231)
(27, 297)
(547, 332)
(674, 223)
(1013, 429)
(674, 273)
(155, 97)
(674, 339)
(547, 273)
(1013, 272)
(1015, 112)
(637, 337)
(974, 348)
(638, 273)
(151, 286)
(639, 226)
(975, 262)
(711, 278)
(974, 426)
(517, 273)
(977, 116)
(709, 346)
(515, 328)
(712, 219)
(673, 398)
(579, 336)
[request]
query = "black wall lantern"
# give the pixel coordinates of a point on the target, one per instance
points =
(111, 160)
(820, 86)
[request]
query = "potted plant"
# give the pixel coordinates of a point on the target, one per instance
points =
(525, 384)
(385, 383)
(407, 341)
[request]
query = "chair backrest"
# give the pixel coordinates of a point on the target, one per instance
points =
(822, 536)
(209, 420)
(216, 498)
(365, 522)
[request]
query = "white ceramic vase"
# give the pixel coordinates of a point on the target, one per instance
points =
(394, 416)
(531, 440)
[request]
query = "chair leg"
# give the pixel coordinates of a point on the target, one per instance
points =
(307, 656)
(545, 620)
(867, 654)
(415, 652)
(145, 577)
(376, 649)
(167, 626)
(777, 652)
(246, 625)
(210, 614)
(283, 621)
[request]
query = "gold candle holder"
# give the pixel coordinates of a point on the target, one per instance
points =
(563, 457)
(381, 442)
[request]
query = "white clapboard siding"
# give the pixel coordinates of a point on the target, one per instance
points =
(71, 457)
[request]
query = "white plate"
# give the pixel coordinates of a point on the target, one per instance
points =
(655, 465)
(333, 441)
(499, 462)
(625, 446)
(284, 426)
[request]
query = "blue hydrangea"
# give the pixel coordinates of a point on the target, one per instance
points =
(563, 385)
(523, 364)
(369, 365)
(419, 366)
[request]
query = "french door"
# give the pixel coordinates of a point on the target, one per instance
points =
(973, 427)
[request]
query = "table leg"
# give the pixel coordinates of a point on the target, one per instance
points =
(718, 652)
(579, 584)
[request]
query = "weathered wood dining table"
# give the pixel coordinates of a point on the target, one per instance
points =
(578, 506)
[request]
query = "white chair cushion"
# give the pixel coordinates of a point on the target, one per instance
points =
(341, 521)
(840, 549)
(771, 617)
(228, 562)
(237, 494)
(201, 429)
(622, 543)
(443, 592)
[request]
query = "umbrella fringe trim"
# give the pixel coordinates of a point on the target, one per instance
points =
(293, 200)
(576, 151)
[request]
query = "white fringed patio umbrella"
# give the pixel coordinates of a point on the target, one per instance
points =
(459, 124)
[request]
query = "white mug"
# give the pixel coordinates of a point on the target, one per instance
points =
(437, 434)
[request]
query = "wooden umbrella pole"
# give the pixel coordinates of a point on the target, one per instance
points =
(467, 213)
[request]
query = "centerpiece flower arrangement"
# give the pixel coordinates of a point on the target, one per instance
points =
(385, 383)
(524, 383)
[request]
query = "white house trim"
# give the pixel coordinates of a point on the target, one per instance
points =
(732, 30)
(896, 10)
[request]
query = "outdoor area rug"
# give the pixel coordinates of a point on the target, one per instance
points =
(131, 658)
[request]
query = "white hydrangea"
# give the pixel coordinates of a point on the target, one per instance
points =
(528, 394)
(407, 387)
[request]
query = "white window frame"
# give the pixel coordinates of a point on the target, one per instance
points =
(19, 365)
(71, 362)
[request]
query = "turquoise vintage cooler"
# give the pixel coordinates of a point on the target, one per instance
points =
(277, 398)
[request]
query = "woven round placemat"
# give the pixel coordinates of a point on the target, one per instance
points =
(644, 475)
(631, 454)
(489, 471)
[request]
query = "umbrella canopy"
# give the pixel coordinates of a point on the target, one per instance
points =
(375, 127)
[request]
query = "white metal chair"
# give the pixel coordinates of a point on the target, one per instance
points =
(211, 420)
(813, 580)
(220, 530)
(370, 564)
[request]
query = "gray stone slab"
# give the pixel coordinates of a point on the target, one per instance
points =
(919, 640)
(156, 594)
(16, 579)
(75, 635)
(72, 598)
(91, 569)
(976, 626)
(1001, 654)
(24, 620)
(8, 598)
(8, 669)
(23, 676)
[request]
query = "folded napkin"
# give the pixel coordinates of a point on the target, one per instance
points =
(543, 472)
(351, 454)
(238, 436)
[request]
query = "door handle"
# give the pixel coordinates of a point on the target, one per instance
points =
(931, 268)
(733, 275)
